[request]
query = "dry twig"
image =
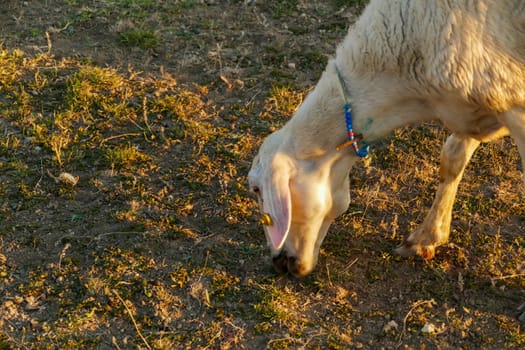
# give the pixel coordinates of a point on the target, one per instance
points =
(414, 306)
(132, 319)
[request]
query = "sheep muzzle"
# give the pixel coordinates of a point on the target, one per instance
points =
(283, 263)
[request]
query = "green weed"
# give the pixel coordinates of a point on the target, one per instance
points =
(284, 8)
(141, 38)
(125, 156)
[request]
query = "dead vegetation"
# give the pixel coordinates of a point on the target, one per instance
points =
(126, 133)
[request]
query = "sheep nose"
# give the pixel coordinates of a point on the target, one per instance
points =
(280, 262)
(283, 263)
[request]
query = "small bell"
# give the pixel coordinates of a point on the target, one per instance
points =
(265, 219)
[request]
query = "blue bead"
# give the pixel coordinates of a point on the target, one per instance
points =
(363, 152)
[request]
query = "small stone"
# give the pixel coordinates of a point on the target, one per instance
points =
(428, 328)
(68, 178)
(391, 325)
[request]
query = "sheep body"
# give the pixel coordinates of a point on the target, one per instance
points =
(473, 49)
(404, 62)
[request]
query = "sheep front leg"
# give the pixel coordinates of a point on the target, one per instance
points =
(435, 229)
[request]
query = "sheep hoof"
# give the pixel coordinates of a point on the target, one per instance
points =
(405, 250)
(409, 249)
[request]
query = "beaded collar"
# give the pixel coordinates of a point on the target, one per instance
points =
(353, 138)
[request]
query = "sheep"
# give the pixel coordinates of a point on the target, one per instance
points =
(404, 62)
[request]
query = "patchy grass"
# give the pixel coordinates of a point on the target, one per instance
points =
(157, 245)
(142, 38)
(284, 8)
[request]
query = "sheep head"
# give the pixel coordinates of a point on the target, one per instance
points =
(299, 197)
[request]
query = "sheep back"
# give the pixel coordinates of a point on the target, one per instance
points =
(475, 49)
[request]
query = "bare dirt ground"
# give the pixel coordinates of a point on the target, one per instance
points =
(155, 110)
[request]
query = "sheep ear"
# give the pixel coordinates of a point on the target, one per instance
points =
(278, 204)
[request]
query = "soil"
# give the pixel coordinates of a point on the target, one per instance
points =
(213, 286)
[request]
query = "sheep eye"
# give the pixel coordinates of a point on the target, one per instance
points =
(256, 189)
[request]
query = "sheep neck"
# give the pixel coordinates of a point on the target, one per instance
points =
(318, 126)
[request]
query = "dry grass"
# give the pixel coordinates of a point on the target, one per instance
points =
(157, 246)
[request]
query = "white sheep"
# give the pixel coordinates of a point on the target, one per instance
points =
(404, 62)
